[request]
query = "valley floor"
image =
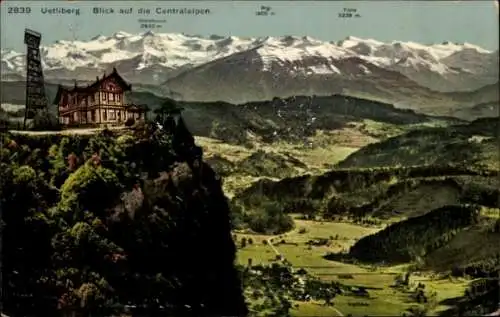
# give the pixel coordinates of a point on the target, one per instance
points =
(316, 159)
(319, 154)
(383, 300)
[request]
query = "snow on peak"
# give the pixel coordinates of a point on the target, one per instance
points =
(148, 33)
(121, 34)
(172, 50)
(98, 38)
(352, 41)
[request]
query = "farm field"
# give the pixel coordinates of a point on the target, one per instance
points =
(383, 299)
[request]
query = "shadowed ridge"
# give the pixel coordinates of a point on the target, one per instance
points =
(227, 296)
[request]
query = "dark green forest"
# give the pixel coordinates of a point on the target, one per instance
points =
(475, 143)
(108, 224)
(358, 192)
(408, 240)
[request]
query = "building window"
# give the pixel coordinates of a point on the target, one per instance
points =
(118, 97)
(119, 115)
(111, 97)
(92, 116)
(104, 115)
(112, 115)
(103, 96)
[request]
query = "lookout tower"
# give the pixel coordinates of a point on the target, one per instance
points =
(36, 100)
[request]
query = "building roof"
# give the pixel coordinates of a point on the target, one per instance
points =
(137, 107)
(92, 87)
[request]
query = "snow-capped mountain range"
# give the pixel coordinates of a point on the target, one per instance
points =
(187, 64)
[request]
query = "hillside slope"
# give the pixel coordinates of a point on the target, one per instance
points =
(383, 192)
(260, 79)
(461, 253)
(414, 238)
(481, 110)
(294, 118)
(472, 144)
(87, 228)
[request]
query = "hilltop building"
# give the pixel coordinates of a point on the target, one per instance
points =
(100, 104)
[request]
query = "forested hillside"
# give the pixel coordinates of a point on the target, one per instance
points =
(412, 239)
(379, 192)
(469, 144)
(281, 119)
(95, 223)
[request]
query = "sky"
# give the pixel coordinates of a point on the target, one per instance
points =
(426, 22)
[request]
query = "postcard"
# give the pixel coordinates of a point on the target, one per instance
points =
(249, 158)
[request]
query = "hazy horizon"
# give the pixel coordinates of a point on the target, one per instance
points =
(473, 22)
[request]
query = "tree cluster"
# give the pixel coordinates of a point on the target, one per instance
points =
(406, 241)
(95, 224)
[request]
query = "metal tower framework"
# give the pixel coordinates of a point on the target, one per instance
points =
(36, 100)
